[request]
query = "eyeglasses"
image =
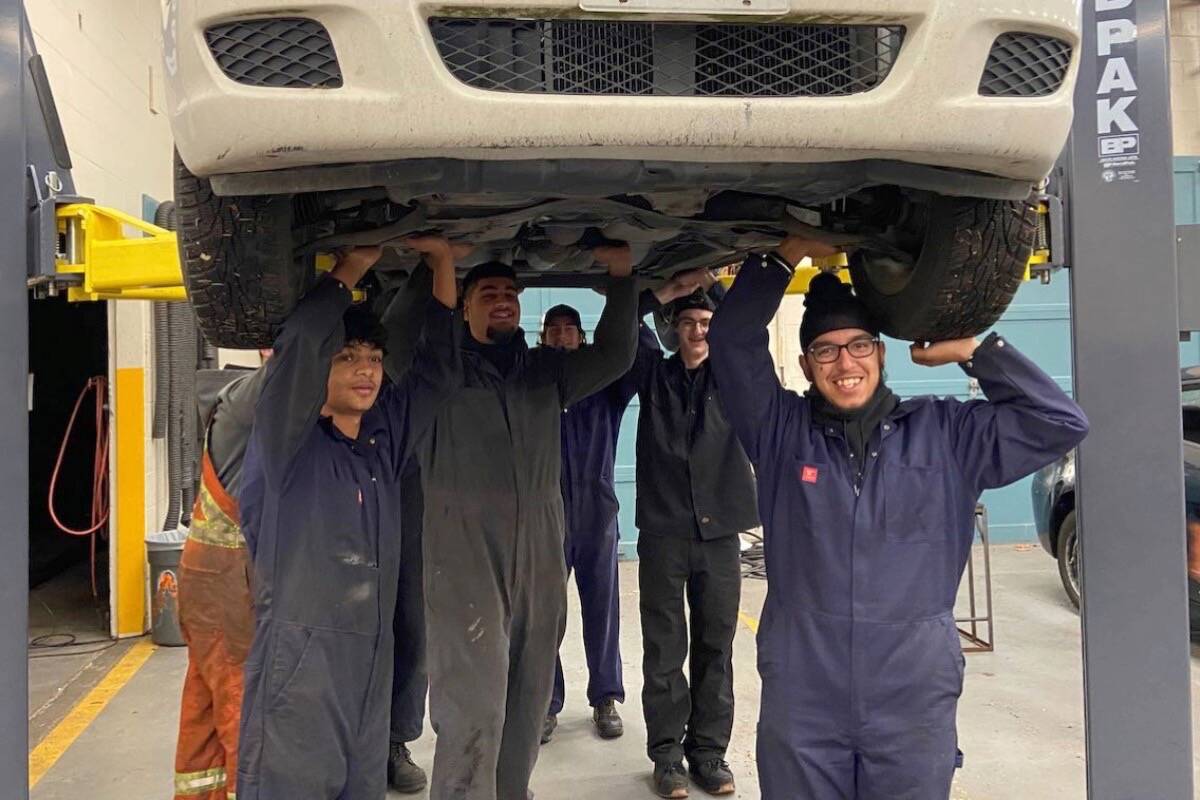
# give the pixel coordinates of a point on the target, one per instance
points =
(829, 353)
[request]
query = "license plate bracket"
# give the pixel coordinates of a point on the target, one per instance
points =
(689, 7)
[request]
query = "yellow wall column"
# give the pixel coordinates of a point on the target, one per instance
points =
(128, 532)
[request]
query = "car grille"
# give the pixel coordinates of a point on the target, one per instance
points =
(289, 53)
(1025, 65)
(666, 58)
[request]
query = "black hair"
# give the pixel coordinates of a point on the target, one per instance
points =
(363, 327)
(488, 269)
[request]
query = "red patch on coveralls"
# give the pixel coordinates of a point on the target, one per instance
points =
(809, 474)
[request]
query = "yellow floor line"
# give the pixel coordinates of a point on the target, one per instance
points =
(50, 749)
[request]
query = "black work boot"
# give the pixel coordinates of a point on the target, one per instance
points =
(670, 779)
(713, 775)
(608, 721)
(403, 773)
(548, 728)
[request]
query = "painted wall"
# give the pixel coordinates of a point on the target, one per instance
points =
(103, 60)
(1185, 65)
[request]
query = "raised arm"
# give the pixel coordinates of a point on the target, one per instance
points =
(739, 344)
(739, 349)
(404, 320)
(589, 369)
(1026, 422)
(296, 379)
(434, 369)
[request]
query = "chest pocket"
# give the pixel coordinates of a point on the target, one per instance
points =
(814, 498)
(913, 497)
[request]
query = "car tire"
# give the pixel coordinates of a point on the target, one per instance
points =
(971, 256)
(237, 255)
(1068, 557)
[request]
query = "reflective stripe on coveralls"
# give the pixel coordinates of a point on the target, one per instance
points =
(217, 619)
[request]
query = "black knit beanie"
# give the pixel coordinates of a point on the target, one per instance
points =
(698, 299)
(832, 306)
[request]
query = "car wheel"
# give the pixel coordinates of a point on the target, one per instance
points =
(1068, 557)
(969, 258)
(238, 261)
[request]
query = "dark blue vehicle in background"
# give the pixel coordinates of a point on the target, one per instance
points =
(1054, 504)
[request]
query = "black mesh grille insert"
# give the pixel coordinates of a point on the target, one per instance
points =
(289, 53)
(1025, 65)
(666, 58)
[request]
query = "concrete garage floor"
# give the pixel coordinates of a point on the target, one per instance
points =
(1020, 720)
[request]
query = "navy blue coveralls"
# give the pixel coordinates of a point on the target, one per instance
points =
(321, 513)
(857, 648)
(589, 447)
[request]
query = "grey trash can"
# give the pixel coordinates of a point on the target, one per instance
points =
(163, 550)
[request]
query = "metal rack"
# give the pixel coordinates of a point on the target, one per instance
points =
(969, 626)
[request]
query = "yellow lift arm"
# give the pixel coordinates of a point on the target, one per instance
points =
(112, 265)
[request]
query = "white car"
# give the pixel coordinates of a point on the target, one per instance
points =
(697, 130)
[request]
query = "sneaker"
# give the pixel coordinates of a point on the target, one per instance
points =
(403, 773)
(608, 721)
(548, 728)
(713, 775)
(670, 780)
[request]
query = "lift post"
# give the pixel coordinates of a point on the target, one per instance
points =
(1124, 310)
(14, 433)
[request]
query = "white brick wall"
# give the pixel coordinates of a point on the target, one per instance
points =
(102, 58)
(1185, 76)
(785, 343)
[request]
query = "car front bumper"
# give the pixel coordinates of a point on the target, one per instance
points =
(399, 101)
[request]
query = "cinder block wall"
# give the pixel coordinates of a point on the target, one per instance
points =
(1185, 76)
(104, 65)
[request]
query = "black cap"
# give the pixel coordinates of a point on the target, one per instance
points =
(832, 306)
(698, 299)
(488, 269)
(562, 311)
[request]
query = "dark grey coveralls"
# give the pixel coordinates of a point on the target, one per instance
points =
(495, 581)
(321, 514)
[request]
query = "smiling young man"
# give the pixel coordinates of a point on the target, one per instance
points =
(695, 494)
(868, 506)
(321, 504)
(495, 579)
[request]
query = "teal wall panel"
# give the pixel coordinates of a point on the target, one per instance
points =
(1187, 190)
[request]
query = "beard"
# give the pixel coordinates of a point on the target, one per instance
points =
(497, 336)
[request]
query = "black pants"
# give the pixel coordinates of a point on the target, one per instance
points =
(410, 682)
(695, 721)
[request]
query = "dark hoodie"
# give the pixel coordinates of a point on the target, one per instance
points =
(859, 424)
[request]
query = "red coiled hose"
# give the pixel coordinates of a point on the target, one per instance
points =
(100, 500)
